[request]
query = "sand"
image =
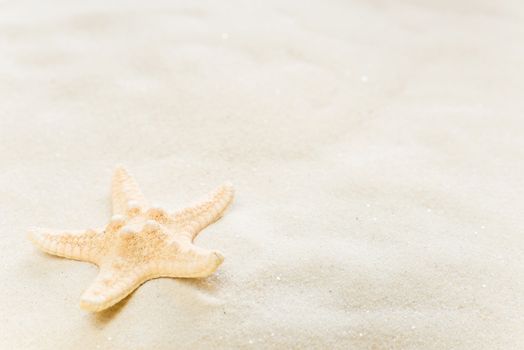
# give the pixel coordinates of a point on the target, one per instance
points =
(376, 148)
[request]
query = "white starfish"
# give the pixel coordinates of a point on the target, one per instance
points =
(139, 243)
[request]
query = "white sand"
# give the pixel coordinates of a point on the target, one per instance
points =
(377, 149)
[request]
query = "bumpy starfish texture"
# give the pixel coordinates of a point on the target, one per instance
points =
(139, 243)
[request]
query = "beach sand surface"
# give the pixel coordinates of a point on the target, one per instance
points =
(376, 147)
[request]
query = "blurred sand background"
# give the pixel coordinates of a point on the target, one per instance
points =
(376, 147)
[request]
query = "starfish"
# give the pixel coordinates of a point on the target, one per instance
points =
(140, 242)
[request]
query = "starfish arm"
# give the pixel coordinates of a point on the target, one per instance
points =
(190, 262)
(195, 218)
(78, 245)
(125, 193)
(110, 286)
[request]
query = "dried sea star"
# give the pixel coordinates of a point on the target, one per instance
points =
(139, 243)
